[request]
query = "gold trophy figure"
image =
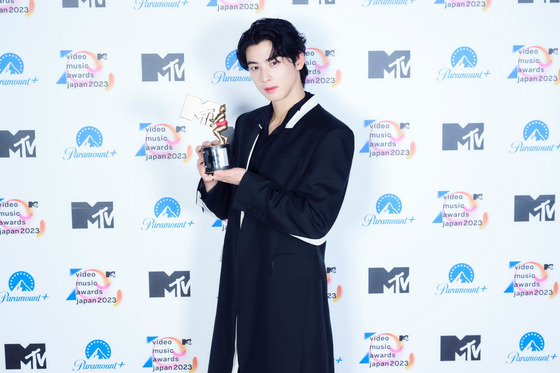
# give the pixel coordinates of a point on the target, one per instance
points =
(220, 124)
(216, 157)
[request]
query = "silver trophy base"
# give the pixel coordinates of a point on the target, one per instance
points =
(217, 157)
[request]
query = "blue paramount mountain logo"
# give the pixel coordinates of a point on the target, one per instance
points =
(531, 348)
(98, 354)
(21, 285)
(233, 73)
(535, 135)
(388, 208)
(142, 4)
(11, 71)
(461, 278)
(463, 66)
(89, 141)
(167, 213)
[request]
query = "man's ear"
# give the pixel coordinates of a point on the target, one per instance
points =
(300, 61)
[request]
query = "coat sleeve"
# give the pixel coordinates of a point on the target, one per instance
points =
(216, 201)
(310, 209)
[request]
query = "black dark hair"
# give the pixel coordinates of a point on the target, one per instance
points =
(286, 41)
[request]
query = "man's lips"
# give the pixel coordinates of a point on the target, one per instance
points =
(270, 89)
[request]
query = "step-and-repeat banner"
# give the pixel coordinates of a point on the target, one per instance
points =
(445, 254)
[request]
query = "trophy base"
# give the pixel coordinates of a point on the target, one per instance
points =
(216, 157)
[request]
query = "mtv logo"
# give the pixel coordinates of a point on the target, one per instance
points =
(32, 357)
(477, 196)
(99, 215)
(403, 338)
(32, 204)
(76, 3)
(171, 66)
(382, 65)
(195, 108)
(186, 342)
(470, 137)
(404, 126)
(178, 284)
(110, 274)
(180, 128)
(22, 144)
(540, 209)
(331, 269)
(548, 266)
(329, 53)
(102, 56)
(453, 347)
(553, 50)
(396, 279)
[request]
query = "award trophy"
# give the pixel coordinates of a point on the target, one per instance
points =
(216, 157)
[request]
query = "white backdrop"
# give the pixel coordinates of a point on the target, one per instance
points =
(445, 254)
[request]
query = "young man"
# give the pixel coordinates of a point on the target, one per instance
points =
(291, 163)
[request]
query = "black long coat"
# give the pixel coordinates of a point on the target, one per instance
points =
(273, 278)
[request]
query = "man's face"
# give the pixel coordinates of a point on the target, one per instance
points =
(276, 78)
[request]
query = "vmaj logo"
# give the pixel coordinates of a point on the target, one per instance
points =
(461, 281)
(388, 208)
(535, 64)
(540, 209)
(140, 4)
(461, 209)
(21, 285)
(531, 348)
(90, 3)
(94, 286)
(382, 65)
(89, 141)
(163, 142)
(20, 7)
(172, 67)
(20, 217)
(31, 357)
(21, 144)
(320, 67)
(463, 64)
(85, 216)
(455, 4)
(535, 135)
(177, 285)
(98, 355)
(84, 69)
(11, 66)
(334, 290)
(470, 137)
(240, 5)
(387, 350)
(380, 280)
(388, 139)
(234, 72)
(167, 213)
(170, 353)
(453, 348)
(532, 279)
